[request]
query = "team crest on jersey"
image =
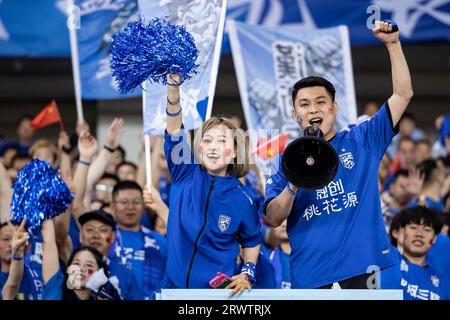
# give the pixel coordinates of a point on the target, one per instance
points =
(435, 281)
(224, 222)
(347, 160)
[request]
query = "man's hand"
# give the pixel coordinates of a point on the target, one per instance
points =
(87, 146)
(115, 132)
(240, 284)
(381, 32)
(19, 239)
(82, 126)
(152, 199)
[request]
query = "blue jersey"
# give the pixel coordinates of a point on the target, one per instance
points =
(209, 217)
(74, 233)
(429, 203)
(337, 232)
(417, 282)
(33, 258)
(439, 255)
(53, 289)
(129, 288)
(144, 253)
(30, 285)
(164, 189)
(280, 262)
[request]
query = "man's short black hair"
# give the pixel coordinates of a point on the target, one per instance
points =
(409, 116)
(405, 138)
(110, 176)
(416, 215)
(23, 118)
(424, 141)
(426, 168)
(126, 185)
(400, 173)
(445, 160)
(20, 156)
(313, 82)
(126, 163)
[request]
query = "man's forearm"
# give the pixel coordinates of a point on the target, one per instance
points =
(279, 208)
(401, 81)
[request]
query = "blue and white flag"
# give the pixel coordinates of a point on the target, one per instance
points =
(99, 21)
(418, 20)
(269, 61)
(205, 20)
(38, 27)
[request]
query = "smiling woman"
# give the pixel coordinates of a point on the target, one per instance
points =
(210, 212)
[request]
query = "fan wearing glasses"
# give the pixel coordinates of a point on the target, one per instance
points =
(141, 250)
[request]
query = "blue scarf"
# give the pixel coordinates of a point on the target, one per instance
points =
(154, 262)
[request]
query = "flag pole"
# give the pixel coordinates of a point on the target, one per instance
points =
(61, 124)
(72, 25)
(147, 143)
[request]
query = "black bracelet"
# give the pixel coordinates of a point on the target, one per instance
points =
(109, 149)
(66, 150)
(173, 103)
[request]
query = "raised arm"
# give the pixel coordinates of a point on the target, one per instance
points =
(174, 122)
(62, 225)
(65, 163)
(99, 165)
(18, 244)
(87, 147)
(142, 170)
(401, 78)
(50, 261)
(157, 151)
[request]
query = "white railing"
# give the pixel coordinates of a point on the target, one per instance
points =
(280, 294)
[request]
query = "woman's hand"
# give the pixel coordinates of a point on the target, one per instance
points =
(19, 239)
(239, 285)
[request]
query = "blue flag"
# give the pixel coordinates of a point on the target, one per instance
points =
(33, 28)
(269, 61)
(100, 20)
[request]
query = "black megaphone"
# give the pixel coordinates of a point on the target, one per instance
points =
(310, 162)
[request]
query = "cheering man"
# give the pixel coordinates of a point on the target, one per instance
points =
(337, 232)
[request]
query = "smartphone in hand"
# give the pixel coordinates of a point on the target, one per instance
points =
(221, 281)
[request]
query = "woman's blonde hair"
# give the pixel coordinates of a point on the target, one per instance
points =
(240, 166)
(43, 143)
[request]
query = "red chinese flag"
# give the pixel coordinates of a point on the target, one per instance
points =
(49, 115)
(267, 149)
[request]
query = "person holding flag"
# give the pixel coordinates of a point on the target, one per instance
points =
(335, 236)
(210, 213)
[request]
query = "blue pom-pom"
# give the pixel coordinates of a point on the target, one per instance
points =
(39, 193)
(150, 51)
